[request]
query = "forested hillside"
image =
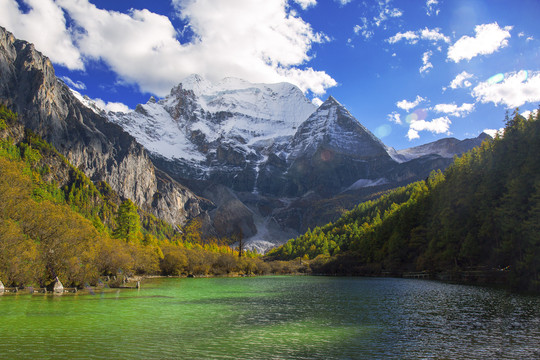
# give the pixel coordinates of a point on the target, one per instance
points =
(482, 214)
(54, 221)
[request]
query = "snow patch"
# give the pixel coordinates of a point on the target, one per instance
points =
(363, 183)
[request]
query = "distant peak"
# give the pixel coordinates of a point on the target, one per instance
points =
(331, 101)
(484, 136)
(192, 78)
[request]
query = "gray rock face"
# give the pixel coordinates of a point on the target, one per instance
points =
(102, 150)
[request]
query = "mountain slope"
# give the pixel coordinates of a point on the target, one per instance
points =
(99, 148)
(266, 153)
(478, 221)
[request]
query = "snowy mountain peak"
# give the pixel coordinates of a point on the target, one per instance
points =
(331, 101)
(332, 126)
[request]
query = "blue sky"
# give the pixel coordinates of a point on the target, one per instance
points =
(411, 71)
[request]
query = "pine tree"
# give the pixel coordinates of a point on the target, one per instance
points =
(128, 222)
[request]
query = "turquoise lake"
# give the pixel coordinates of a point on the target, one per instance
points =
(276, 317)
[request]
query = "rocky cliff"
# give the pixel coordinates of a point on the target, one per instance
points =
(101, 149)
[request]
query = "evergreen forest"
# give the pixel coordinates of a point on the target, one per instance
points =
(478, 221)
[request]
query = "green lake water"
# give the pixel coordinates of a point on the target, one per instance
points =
(283, 317)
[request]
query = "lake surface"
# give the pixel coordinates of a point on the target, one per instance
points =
(284, 317)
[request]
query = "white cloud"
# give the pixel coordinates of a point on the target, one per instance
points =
(521, 34)
(412, 134)
(111, 106)
(409, 36)
(453, 109)
(412, 37)
(530, 38)
(434, 35)
(488, 39)
(383, 12)
(74, 85)
(98, 104)
(461, 80)
(395, 117)
(304, 4)
(514, 89)
(363, 29)
(527, 113)
(409, 105)
(437, 126)
(494, 132)
(43, 25)
(431, 7)
(316, 101)
(426, 63)
(257, 40)
(386, 11)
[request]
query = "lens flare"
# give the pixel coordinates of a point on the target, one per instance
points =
(383, 130)
(327, 155)
(411, 118)
(420, 114)
(495, 79)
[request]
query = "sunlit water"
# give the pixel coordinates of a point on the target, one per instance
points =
(274, 318)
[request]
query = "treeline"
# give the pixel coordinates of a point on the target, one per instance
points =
(55, 222)
(482, 214)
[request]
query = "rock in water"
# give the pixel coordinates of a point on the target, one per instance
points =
(58, 287)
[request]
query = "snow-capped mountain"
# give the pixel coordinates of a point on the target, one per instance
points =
(232, 110)
(264, 154)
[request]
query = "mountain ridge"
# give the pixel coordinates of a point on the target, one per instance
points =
(256, 172)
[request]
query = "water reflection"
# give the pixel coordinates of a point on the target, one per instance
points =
(277, 317)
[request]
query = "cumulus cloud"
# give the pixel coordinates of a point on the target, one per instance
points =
(74, 85)
(488, 39)
(461, 80)
(111, 106)
(257, 40)
(304, 4)
(98, 104)
(343, 2)
(409, 105)
(409, 36)
(412, 37)
(494, 132)
(425, 61)
(453, 109)
(434, 35)
(431, 7)
(316, 101)
(437, 126)
(514, 89)
(528, 113)
(395, 118)
(43, 25)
